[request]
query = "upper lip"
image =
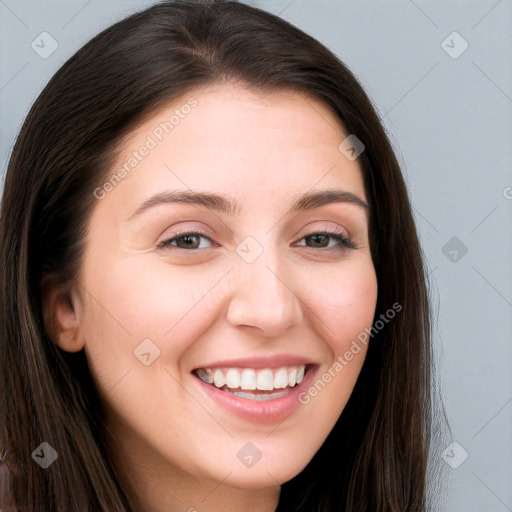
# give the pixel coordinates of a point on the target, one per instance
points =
(275, 361)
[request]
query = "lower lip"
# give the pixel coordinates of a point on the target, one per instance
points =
(268, 411)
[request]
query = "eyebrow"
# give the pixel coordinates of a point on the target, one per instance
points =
(221, 204)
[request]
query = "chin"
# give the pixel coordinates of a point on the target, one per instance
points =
(268, 471)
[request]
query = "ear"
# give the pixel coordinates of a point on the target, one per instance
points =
(60, 314)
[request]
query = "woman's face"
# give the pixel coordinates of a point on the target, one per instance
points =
(206, 275)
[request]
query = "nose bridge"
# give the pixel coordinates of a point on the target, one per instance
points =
(263, 294)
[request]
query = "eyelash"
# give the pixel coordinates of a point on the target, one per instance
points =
(343, 240)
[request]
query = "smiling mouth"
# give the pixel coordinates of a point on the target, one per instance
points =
(260, 384)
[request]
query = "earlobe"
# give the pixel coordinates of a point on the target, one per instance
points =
(61, 319)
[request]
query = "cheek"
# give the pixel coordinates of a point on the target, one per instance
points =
(344, 300)
(135, 300)
(141, 319)
(345, 307)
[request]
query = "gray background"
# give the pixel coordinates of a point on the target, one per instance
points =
(449, 115)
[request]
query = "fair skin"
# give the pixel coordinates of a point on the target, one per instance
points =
(179, 444)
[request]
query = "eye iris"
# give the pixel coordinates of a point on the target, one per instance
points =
(189, 240)
(318, 238)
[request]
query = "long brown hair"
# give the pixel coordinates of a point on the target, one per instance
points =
(379, 447)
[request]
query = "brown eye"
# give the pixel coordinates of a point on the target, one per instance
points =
(185, 241)
(321, 240)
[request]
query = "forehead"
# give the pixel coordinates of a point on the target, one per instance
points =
(231, 138)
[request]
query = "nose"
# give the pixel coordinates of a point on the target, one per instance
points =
(264, 298)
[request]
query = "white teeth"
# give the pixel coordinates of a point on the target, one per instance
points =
(233, 378)
(249, 379)
(218, 379)
(281, 379)
(265, 380)
(292, 377)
